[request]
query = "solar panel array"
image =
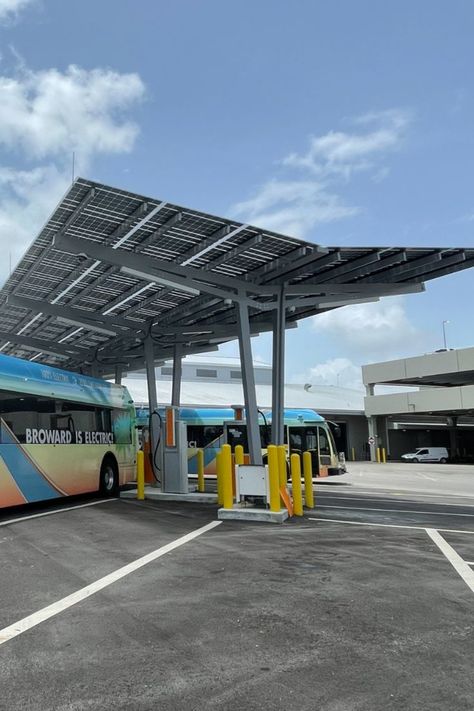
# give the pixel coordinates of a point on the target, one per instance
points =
(114, 309)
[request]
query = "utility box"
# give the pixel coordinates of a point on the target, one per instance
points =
(252, 480)
(175, 461)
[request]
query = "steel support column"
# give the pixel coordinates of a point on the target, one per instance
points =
(453, 436)
(372, 422)
(177, 375)
(118, 374)
(248, 382)
(152, 395)
(278, 371)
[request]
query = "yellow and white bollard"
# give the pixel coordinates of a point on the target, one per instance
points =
(296, 484)
(226, 486)
(274, 477)
(384, 455)
(219, 478)
(377, 452)
(140, 475)
(200, 470)
(239, 454)
(308, 480)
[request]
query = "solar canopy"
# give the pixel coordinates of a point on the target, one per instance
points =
(111, 268)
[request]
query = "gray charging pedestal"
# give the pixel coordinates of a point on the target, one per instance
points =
(175, 462)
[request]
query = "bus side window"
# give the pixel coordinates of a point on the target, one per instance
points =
(311, 440)
(296, 441)
(121, 426)
(324, 448)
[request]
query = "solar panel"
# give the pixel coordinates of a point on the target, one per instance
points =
(111, 266)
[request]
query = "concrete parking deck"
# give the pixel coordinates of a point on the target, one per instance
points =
(315, 614)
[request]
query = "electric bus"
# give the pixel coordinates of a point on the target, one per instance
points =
(304, 430)
(62, 433)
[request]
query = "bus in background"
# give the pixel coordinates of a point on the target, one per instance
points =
(210, 428)
(62, 433)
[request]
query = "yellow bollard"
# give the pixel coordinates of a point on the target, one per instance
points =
(353, 454)
(296, 484)
(239, 454)
(200, 468)
(226, 464)
(378, 454)
(273, 477)
(282, 467)
(308, 480)
(140, 475)
(384, 455)
(219, 478)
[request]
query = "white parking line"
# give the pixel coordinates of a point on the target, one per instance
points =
(459, 565)
(56, 511)
(372, 490)
(324, 496)
(17, 628)
(369, 508)
(385, 525)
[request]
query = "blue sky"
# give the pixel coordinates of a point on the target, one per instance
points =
(344, 123)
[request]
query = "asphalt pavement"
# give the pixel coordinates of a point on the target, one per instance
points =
(354, 607)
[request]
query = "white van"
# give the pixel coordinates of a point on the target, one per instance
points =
(427, 454)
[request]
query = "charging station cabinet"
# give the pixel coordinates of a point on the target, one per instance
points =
(175, 457)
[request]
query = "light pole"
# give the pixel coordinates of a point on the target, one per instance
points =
(444, 334)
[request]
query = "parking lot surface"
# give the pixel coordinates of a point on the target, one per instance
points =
(352, 607)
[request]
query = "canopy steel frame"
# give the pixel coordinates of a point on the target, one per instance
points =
(250, 280)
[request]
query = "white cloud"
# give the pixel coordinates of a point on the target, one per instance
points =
(49, 113)
(293, 207)
(340, 372)
(27, 197)
(371, 331)
(10, 8)
(44, 117)
(307, 194)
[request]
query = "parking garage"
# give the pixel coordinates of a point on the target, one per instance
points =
(434, 405)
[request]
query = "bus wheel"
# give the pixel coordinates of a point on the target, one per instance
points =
(109, 483)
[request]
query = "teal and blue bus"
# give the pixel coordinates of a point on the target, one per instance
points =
(62, 433)
(210, 428)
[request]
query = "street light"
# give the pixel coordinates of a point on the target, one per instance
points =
(444, 334)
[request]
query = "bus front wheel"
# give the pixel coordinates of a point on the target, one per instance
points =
(109, 481)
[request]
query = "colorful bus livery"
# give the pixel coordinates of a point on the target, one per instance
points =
(304, 430)
(61, 433)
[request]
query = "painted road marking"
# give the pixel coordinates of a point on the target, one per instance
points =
(56, 511)
(459, 565)
(17, 628)
(412, 492)
(385, 525)
(361, 508)
(323, 495)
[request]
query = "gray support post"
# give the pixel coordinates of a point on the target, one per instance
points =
(118, 374)
(453, 436)
(373, 433)
(152, 395)
(177, 374)
(278, 371)
(387, 438)
(248, 382)
(372, 422)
